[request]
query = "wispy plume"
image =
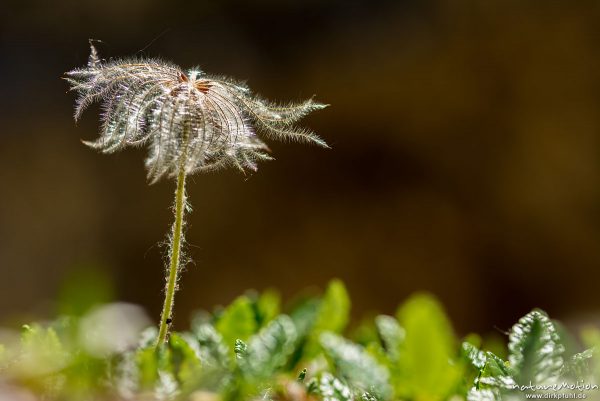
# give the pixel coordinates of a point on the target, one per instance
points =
(190, 120)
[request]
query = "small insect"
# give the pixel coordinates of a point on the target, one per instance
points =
(169, 320)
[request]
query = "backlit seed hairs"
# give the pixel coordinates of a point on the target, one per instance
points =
(190, 120)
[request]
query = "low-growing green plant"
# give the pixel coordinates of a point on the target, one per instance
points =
(250, 350)
(191, 121)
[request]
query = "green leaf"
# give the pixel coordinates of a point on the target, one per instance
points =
(355, 365)
(473, 357)
(334, 310)
(495, 375)
(332, 316)
(146, 360)
(578, 365)
(185, 360)
(476, 357)
(535, 349)
(591, 338)
(391, 335)
(215, 357)
(213, 351)
(40, 338)
(269, 349)
(148, 337)
(240, 349)
(304, 316)
(365, 332)
(167, 387)
(331, 388)
(569, 343)
(366, 396)
(238, 321)
(268, 306)
(155, 371)
(41, 352)
(426, 364)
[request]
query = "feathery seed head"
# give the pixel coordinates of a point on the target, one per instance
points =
(190, 120)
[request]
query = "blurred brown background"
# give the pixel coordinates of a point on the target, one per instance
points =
(465, 161)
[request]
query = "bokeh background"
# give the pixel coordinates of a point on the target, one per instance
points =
(465, 160)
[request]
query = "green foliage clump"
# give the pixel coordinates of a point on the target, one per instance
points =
(538, 360)
(251, 350)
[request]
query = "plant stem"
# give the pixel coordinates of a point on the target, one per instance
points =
(175, 250)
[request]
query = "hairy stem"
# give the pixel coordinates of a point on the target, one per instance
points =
(175, 256)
